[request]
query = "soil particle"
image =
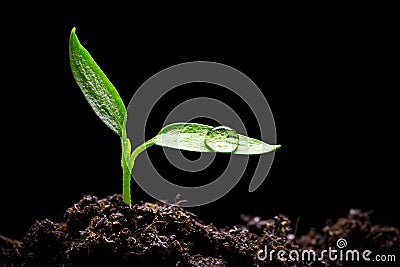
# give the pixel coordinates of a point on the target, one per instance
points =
(8, 251)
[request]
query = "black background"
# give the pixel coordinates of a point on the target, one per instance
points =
(329, 83)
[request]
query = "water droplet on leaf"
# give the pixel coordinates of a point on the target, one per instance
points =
(222, 139)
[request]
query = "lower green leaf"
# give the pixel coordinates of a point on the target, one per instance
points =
(205, 138)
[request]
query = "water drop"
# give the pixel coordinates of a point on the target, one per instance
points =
(222, 139)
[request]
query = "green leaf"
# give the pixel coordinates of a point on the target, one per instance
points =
(98, 90)
(196, 137)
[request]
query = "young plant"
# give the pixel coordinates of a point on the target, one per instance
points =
(107, 104)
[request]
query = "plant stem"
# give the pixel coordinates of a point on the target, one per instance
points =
(139, 150)
(127, 162)
(126, 184)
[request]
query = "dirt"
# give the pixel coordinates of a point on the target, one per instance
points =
(107, 232)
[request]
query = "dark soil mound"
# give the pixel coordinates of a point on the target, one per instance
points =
(107, 232)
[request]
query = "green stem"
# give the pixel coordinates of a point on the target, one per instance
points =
(127, 162)
(139, 150)
(126, 184)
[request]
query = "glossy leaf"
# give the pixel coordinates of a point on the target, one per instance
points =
(98, 90)
(193, 137)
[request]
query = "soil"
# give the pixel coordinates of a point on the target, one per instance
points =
(107, 232)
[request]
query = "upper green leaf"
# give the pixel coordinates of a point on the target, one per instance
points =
(204, 138)
(98, 90)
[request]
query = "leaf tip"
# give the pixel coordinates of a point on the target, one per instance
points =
(73, 37)
(74, 43)
(73, 34)
(277, 146)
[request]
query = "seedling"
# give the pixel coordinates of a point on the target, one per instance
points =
(107, 104)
